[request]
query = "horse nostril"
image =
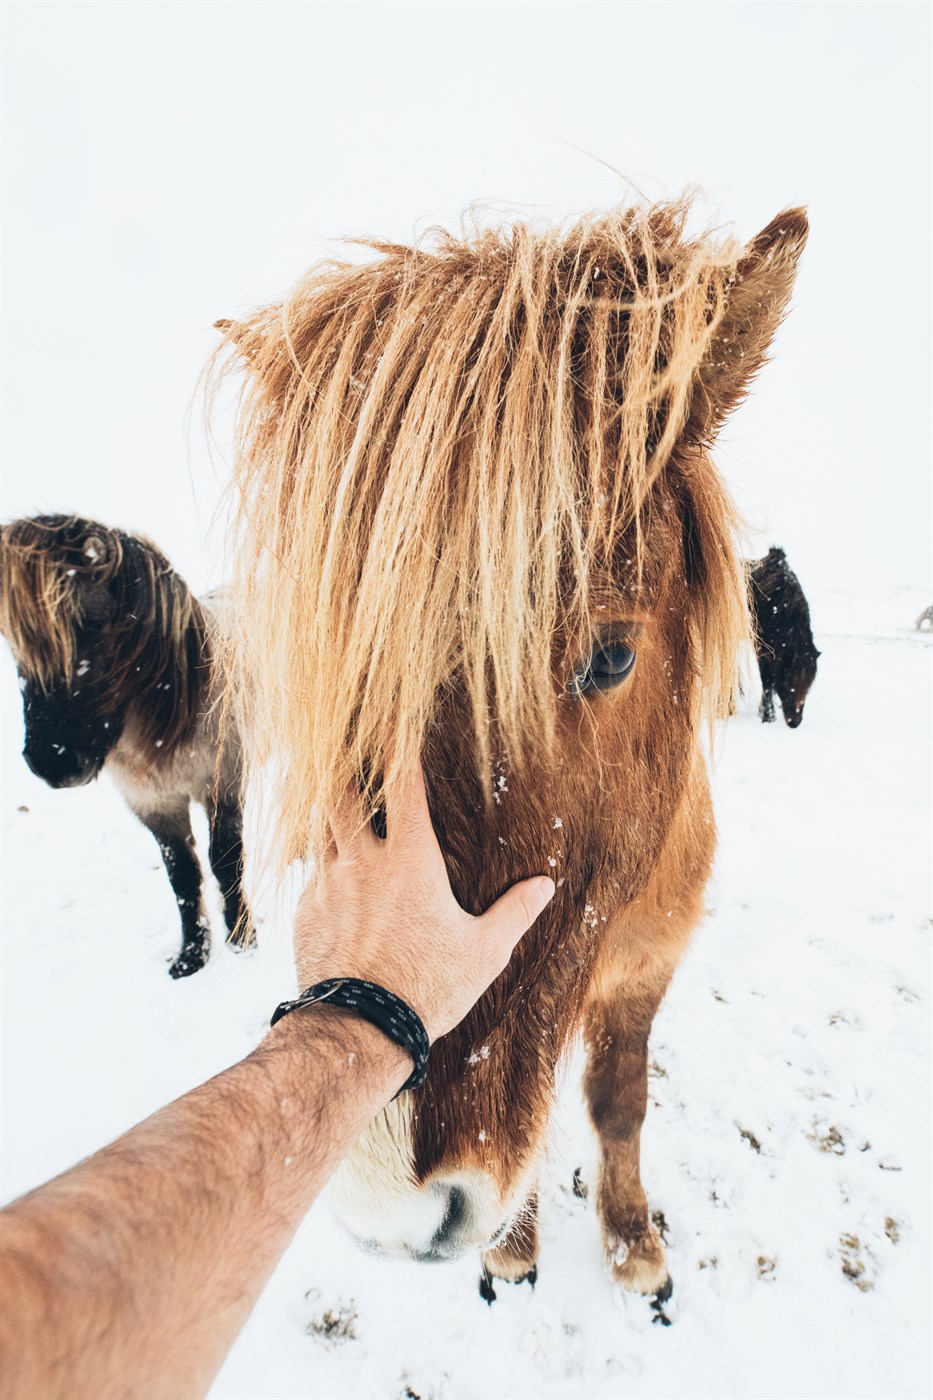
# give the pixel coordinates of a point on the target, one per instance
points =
(454, 1219)
(448, 1239)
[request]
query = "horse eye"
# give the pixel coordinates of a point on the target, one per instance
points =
(609, 664)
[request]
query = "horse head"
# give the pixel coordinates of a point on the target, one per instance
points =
(93, 618)
(794, 678)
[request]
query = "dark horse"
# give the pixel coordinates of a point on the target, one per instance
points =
(784, 643)
(114, 656)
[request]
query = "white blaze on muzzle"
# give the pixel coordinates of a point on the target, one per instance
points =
(377, 1197)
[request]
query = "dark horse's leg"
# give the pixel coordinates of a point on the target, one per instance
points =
(618, 1022)
(766, 708)
(172, 829)
(226, 856)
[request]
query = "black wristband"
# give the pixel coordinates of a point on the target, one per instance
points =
(381, 1008)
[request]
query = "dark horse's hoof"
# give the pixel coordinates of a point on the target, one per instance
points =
(663, 1295)
(488, 1293)
(189, 960)
(243, 945)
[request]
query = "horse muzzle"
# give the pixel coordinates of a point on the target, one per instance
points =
(442, 1223)
(62, 770)
(388, 1211)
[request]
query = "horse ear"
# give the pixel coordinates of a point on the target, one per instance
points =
(231, 330)
(239, 335)
(95, 550)
(756, 305)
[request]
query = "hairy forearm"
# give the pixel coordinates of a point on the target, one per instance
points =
(132, 1274)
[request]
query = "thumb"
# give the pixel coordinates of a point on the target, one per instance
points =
(515, 911)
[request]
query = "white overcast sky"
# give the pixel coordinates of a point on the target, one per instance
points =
(169, 164)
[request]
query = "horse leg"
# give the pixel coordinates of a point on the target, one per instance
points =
(172, 829)
(642, 945)
(766, 708)
(226, 857)
(617, 1024)
(515, 1259)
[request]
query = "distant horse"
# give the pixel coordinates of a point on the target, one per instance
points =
(480, 526)
(925, 616)
(784, 645)
(115, 663)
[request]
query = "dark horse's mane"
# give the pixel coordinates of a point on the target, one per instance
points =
(772, 572)
(60, 575)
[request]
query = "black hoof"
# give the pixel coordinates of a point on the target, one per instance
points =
(663, 1295)
(488, 1293)
(240, 945)
(189, 960)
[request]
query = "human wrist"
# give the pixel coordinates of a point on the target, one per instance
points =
(341, 1037)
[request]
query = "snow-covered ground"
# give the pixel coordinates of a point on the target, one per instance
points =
(787, 1142)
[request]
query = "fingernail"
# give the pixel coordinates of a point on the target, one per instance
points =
(546, 889)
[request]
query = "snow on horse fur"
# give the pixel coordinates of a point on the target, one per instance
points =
(114, 655)
(480, 526)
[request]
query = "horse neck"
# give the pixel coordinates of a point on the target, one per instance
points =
(166, 664)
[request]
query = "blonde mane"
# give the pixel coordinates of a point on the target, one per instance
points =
(437, 452)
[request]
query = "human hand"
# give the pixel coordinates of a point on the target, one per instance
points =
(384, 911)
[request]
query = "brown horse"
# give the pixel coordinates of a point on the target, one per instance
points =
(480, 524)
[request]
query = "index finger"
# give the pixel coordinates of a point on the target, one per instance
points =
(408, 817)
(350, 836)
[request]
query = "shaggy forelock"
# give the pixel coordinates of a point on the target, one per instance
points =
(436, 452)
(43, 564)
